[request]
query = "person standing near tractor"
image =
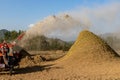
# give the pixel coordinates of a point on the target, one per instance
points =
(5, 51)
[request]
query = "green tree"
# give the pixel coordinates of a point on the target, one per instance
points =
(7, 35)
(12, 35)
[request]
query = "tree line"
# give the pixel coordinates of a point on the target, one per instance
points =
(38, 43)
(41, 43)
(11, 35)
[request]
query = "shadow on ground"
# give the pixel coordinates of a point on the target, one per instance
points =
(36, 69)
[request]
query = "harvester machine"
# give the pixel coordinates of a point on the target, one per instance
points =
(12, 60)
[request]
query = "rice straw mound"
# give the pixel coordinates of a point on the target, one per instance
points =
(26, 62)
(89, 48)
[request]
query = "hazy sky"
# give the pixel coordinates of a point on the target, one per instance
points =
(18, 14)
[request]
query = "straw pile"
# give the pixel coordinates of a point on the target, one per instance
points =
(89, 48)
(28, 60)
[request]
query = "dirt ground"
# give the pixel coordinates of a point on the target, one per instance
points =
(52, 71)
(56, 70)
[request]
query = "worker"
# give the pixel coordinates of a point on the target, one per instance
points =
(11, 51)
(10, 54)
(5, 51)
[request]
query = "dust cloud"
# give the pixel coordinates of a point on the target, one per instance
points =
(66, 25)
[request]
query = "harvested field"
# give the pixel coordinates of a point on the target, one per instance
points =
(90, 58)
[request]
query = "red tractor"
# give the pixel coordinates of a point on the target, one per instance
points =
(9, 62)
